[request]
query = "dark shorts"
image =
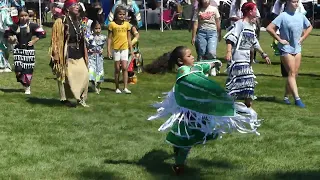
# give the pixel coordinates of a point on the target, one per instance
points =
(283, 53)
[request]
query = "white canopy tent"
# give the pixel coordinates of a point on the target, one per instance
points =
(145, 14)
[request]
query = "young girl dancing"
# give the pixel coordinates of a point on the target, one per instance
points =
(240, 40)
(200, 108)
(23, 52)
(96, 41)
(294, 28)
(119, 36)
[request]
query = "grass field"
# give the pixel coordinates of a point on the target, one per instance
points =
(41, 139)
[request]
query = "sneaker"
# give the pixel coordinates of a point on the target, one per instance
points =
(27, 90)
(286, 101)
(7, 70)
(83, 103)
(118, 91)
(127, 91)
(299, 103)
(98, 90)
(213, 72)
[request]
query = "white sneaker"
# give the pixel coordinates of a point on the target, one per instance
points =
(118, 91)
(27, 90)
(83, 103)
(213, 72)
(127, 91)
(7, 70)
(98, 90)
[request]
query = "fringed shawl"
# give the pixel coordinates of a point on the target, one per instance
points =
(59, 48)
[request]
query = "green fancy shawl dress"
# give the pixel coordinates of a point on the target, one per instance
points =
(201, 109)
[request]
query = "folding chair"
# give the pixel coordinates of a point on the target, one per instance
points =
(168, 19)
(185, 17)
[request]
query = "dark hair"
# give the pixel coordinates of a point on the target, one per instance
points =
(167, 61)
(93, 25)
(117, 11)
(200, 4)
(133, 19)
(238, 4)
(23, 9)
(97, 3)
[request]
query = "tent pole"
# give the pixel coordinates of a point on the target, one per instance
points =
(313, 12)
(145, 15)
(161, 6)
(40, 13)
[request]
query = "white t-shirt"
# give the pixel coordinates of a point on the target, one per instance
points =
(234, 12)
(237, 12)
(278, 8)
(206, 17)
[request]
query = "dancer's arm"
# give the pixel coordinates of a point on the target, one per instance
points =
(218, 24)
(195, 27)
(258, 48)
(308, 28)
(274, 26)
(136, 35)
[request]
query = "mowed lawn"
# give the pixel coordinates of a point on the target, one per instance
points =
(41, 139)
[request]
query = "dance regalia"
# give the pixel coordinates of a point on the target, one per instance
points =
(241, 80)
(131, 5)
(23, 54)
(95, 65)
(135, 62)
(86, 26)
(5, 23)
(200, 110)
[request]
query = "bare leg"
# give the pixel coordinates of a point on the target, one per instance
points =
(124, 65)
(116, 73)
(248, 102)
(251, 56)
(292, 65)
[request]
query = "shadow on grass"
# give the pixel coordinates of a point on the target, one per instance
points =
(268, 75)
(112, 80)
(296, 175)
(108, 89)
(50, 78)
(11, 90)
(44, 101)
(95, 174)
(310, 56)
(308, 74)
(277, 63)
(154, 163)
(269, 99)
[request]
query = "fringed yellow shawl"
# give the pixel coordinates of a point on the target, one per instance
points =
(58, 50)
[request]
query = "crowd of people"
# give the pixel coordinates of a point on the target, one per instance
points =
(200, 108)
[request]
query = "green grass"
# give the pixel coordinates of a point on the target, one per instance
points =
(40, 139)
